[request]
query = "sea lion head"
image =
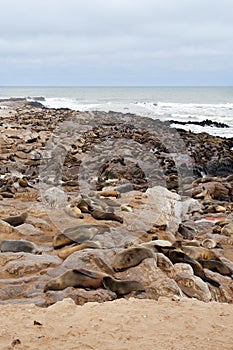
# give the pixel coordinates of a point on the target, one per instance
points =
(53, 284)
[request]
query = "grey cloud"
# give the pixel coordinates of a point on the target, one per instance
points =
(130, 40)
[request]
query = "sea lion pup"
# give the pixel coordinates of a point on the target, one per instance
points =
(65, 252)
(216, 266)
(16, 220)
(16, 246)
(102, 215)
(122, 287)
(81, 278)
(210, 244)
(132, 257)
(177, 256)
(74, 211)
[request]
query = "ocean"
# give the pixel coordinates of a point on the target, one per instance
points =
(189, 104)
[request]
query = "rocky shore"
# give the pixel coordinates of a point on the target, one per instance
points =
(79, 189)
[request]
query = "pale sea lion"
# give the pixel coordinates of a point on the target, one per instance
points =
(74, 211)
(102, 215)
(65, 252)
(155, 243)
(196, 252)
(210, 243)
(81, 278)
(122, 287)
(199, 253)
(132, 257)
(16, 220)
(16, 246)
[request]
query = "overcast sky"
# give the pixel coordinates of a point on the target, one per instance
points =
(116, 42)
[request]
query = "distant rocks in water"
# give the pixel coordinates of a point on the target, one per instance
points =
(206, 122)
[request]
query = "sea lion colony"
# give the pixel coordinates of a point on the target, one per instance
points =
(90, 251)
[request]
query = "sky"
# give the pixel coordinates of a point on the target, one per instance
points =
(116, 43)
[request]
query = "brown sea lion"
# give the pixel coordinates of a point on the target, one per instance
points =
(216, 266)
(122, 287)
(177, 256)
(109, 193)
(77, 234)
(65, 252)
(196, 252)
(83, 206)
(16, 220)
(102, 215)
(81, 278)
(132, 257)
(199, 253)
(16, 246)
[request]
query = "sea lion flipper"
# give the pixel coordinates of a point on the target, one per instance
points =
(211, 281)
(86, 273)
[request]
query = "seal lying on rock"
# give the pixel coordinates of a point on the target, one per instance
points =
(74, 211)
(16, 246)
(122, 287)
(16, 220)
(77, 234)
(177, 256)
(102, 215)
(196, 252)
(216, 266)
(81, 278)
(132, 257)
(65, 252)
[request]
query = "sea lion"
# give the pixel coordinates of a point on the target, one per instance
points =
(131, 257)
(216, 266)
(158, 242)
(16, 220)
(196, 252)
(77, 234)
(81, 278)
(177, 256)
(109, 193)
(210, 243)
(74, 211)
(83, 206)
(65, 252)
(122, 287)
(199, 253)
(16, 246)
(102, 215)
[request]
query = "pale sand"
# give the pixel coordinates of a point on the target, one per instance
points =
(121, 324)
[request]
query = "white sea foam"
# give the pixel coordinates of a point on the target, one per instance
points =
(179, 104)
(165, 111)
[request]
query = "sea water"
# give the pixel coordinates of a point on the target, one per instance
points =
(164, 103)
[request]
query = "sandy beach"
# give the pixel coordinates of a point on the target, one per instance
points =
(118, 325)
